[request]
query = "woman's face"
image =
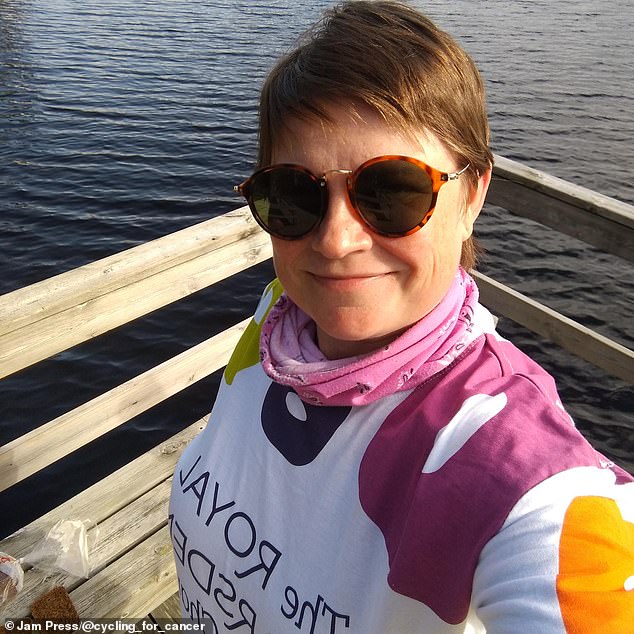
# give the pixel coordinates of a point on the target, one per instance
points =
(362, 289)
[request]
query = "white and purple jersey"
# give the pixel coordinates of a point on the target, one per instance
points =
(468, 503)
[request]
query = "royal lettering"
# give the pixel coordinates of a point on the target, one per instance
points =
(293, 603)
(273, 557)
(180, 473)
(333, 618)
(196, 612)
(179, 539)
(202, 570)
(222, 598)
(247, 527)
(198, 488)
(309, 613)
(214, 505)
(236, 542)
(248, 619)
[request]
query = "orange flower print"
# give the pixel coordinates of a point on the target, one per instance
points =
(595, 584)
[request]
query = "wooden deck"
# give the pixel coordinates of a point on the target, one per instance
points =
(132, 566)
(133, 574)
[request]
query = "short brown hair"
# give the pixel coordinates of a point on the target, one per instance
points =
(393, 59)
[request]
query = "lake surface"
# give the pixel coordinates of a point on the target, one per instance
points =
(122, 121)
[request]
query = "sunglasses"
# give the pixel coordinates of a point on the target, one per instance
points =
(393, 195)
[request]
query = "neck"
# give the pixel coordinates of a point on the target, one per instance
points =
(333, 348)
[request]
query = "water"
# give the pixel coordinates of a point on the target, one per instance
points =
(121, 121)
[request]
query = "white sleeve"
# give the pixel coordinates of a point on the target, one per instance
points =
(563, 561)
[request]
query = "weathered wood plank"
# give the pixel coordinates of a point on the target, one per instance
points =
(83, 321)
(108, 496)
(132, 586)
(113, 537)
(54, 440)
(612, 357)
(582, 197)
(598, 220)
(131, 525)
(57, 294)
(169, 610)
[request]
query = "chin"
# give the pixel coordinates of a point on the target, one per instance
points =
(341, 342)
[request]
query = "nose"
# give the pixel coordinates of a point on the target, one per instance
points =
(341, 231)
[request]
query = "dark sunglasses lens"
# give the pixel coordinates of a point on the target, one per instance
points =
(286, 201)
(393, 196)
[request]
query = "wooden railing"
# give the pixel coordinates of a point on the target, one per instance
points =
(601, 221)
(598, 220)
(41, 320)
(51, 316)
(56, 314)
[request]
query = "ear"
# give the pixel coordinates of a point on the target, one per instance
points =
(474, 203)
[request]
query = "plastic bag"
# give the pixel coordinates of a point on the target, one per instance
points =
(66, 548)
(11, 577)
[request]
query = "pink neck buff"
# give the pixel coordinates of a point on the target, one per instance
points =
(291, 357)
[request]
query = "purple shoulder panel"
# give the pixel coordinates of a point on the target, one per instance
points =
(436, 524)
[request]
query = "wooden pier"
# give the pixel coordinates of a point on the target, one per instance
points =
(133, 574)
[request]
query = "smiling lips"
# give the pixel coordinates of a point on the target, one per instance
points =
(345, 282)
(347, 277)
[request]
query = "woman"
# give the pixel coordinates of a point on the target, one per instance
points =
(378, 459)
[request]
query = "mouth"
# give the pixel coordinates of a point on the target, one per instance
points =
(346, 281)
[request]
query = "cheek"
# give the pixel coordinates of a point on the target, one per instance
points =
(285, 256)
(280, 252)
(435, 239)
(448, 226)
